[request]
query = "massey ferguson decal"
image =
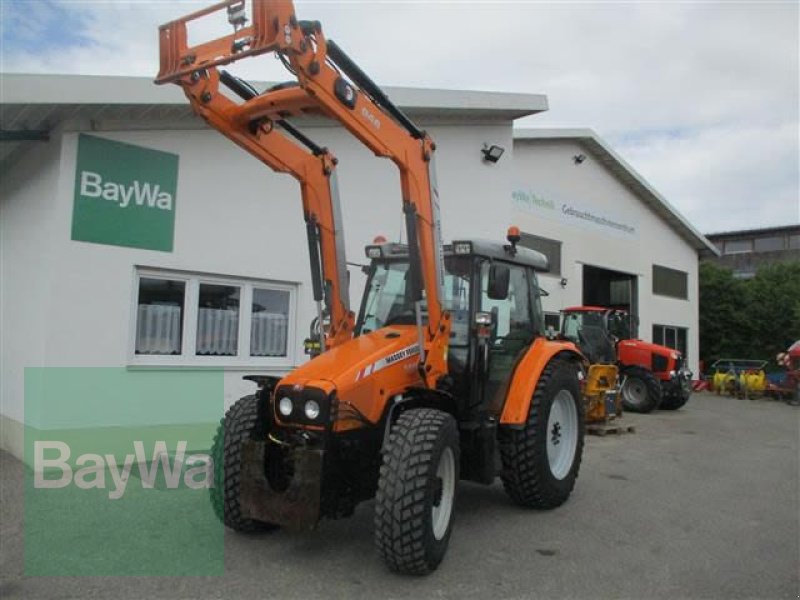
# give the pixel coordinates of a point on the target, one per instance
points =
(406, 352)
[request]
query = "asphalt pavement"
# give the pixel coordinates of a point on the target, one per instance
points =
(698, 503)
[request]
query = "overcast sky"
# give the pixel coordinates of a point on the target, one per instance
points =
(702, 98)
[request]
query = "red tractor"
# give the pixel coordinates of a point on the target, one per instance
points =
(651, 376)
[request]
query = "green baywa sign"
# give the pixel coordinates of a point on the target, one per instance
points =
(124, 195)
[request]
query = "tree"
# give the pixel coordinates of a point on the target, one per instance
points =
(748, 318)
(775, 304)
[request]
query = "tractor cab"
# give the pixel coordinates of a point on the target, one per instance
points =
(596, 331)
(492, 294)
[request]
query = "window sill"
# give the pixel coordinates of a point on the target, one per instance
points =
(192, 365)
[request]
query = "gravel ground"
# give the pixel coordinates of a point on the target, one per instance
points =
(698, 503)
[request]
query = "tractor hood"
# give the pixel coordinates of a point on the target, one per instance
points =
(647, 347)
(363, 373)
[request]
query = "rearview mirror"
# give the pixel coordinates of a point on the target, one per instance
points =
(499, 276)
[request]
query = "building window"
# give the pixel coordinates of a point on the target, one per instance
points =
(794, 242)
(159, 316)
(268, 328)
(769, 244)
(670, 282)
(738, 246)
(671, 337)
(187, 319)
(550, 248)
(218, 320)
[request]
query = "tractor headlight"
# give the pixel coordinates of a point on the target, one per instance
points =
(312, 410)
(285, 406)
(300, 405)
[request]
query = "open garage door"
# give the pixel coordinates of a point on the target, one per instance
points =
(615, 289)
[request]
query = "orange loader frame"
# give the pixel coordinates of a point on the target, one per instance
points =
(259, 126)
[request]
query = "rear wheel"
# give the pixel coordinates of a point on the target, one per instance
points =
(641, 391)
(417, 491)
(541, 460)
(673, 402)
(239, 425)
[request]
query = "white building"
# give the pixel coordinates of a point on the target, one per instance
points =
(101, 269)
(611, 238)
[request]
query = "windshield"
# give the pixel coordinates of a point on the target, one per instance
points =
(619, 325)
(578, 321)
(387, 301)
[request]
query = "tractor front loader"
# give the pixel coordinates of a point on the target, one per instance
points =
(446, 371)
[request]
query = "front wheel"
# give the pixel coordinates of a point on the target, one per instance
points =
(239, 425)
(541, 460)
(417, 491)
(641, 391)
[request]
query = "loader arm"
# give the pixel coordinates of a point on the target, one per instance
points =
(313, 167)
(330, 83)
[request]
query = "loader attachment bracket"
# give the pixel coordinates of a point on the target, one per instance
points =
(297, 507)
(270, 30)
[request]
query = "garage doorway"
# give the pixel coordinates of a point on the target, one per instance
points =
(615, 289)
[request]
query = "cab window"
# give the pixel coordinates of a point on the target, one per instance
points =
(513, 315)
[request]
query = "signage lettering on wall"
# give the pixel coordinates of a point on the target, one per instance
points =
(571, 213)
(124, 195)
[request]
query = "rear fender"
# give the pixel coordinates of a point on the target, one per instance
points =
(526, 376)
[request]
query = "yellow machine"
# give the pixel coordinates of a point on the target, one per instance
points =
(603, 404)
(603, 401)
(738, 377)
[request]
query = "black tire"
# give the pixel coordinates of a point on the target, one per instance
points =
(409, 490)
(527, 475)
(239, 424)
(674, 401)
(641, 391)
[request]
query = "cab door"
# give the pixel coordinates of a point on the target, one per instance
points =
(513, 330)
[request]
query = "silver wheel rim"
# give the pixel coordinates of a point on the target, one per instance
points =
(562, 434)
(634, 391)
(443, 506)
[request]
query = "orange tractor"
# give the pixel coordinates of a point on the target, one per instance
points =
(651, 376)
(446, 371)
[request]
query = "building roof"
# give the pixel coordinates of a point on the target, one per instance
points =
(602, 152)
(31, 106)
(761, 231)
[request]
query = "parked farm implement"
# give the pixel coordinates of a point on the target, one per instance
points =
(739, 377)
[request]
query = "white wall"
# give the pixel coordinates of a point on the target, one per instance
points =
(547, 168)
(68, 303)
(27, 223)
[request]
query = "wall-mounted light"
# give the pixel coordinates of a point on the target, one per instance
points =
(563, 282)
(578, 158)
(492, 153)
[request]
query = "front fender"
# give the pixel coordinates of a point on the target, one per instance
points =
(526, 376)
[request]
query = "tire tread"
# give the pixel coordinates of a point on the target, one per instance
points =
(523, 475)
(400, 501)
(237, 426)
